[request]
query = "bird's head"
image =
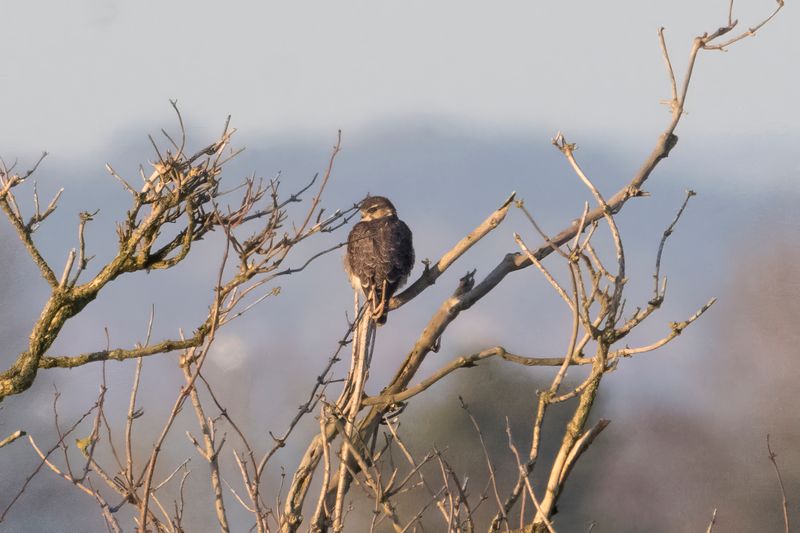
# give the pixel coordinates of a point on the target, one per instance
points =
(376, 207)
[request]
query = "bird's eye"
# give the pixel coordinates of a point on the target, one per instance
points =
(372, 209)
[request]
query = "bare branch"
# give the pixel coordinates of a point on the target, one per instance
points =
(432, 273)
(524, 474)
(119, 354)
(11, 438)
(42, 463)
(772, 456)
(673, 86)
(710, 528)
(664, 237)
(750, 32)
(489, 466)
(676, 329)
(467, 361)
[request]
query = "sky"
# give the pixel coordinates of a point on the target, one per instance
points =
(75, 78)
(446, 108)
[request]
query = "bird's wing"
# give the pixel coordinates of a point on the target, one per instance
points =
(363, 259)
(380, 251)
(401, 246)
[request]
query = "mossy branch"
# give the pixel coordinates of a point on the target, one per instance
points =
(180, 187)
(120, 354)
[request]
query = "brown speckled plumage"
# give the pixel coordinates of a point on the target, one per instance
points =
(380, 254)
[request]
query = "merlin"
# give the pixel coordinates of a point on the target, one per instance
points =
(380, 254)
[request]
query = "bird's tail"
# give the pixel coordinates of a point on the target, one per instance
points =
(380, 305)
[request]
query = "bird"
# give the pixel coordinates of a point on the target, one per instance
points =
(380, 254)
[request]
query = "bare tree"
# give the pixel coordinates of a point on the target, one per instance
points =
(358, 446)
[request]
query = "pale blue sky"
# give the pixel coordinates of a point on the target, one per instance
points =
(73, 74)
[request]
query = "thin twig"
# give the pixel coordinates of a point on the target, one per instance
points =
(664, 237)
(11, 438)
(710, 528)
(492, 477)
(772, 456)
